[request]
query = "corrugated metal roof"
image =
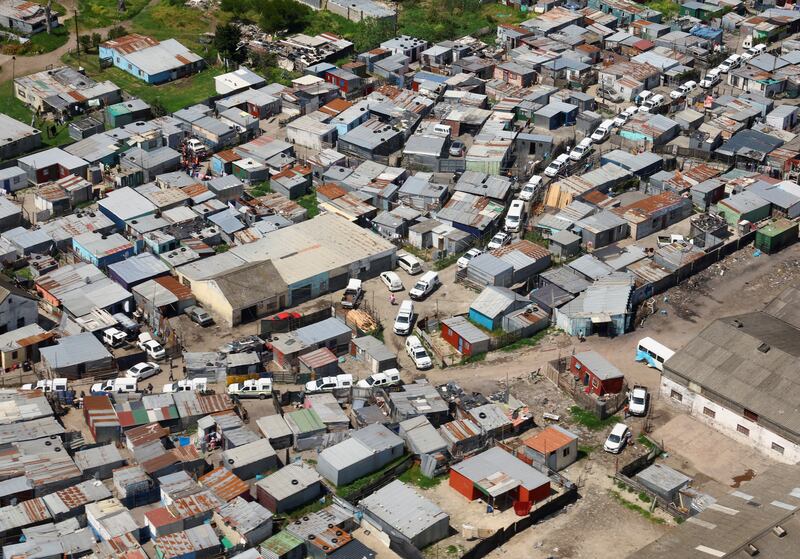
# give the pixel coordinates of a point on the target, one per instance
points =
(421, 436)
(280, 544)
(402, 508)
(289, 480)
(273, 426)
(465, 329)
(494, 301)
(496, 472)
(244, 516)
(224, 484)
(188, 542)
(490, 417)
(248, 453)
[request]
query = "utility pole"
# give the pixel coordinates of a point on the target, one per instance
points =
(77, 37)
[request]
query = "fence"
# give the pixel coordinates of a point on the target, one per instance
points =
(502, 536)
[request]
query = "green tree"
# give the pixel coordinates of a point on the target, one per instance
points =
(372, 32)
(85, 42)
(283, 15)
(157, 108)
(226, 41)
(116, 33)
(96, 40)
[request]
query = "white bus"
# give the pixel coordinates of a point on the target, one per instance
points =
(653, 353)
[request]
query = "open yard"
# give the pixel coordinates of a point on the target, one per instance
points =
(102, 13)
(14, 108)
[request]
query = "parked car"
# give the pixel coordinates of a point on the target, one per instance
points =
(416, 351)
(637, 401)
(642, 98)
(463, 262)
(602, 132)
(607, 94)
(710, 80)
(755, 50)
(184, 385)
(617, 439)
(409, 263)
(515, 216)
(500, 239)
(652, 104)
(143, 370)
(529, 190)
(352, 294)
(392, 281)
(733, 61)
(404, 318)
(688, 87)
(457, 148)
(385, 378)
(425, 285)
(153, 349)
(243, 345)
(625, 115)
(327, 384)
(260, 388)
(47, 385)
(580, 151)
(199, 315)
(557, 165)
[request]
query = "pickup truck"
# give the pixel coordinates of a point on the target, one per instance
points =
(637, 401)
(47, 385)
(352, 294)
(200, 384)
(254, 388)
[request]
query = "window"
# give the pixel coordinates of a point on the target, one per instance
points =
(777, 448)
(14, 354)
(743, 430)
(578, 365)
(20, 322)
(677, 396)
(709, 412)
(565, 452)
(752, 416)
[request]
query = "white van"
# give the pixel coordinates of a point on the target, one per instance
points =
(115, 386)
(253, 388)
(114, 338)
(47, 385)
(405, 316)
(386, 378)
(425, 285)
(442, 130)
(652, 104)
(185, 385)
(603, 131)
(581, 150)
(557, 165)
(327, 384)
(514, 216)
(642, 98)
(653, 353)
(416, 351)
(409, 263)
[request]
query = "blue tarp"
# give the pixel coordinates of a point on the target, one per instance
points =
(644, 356)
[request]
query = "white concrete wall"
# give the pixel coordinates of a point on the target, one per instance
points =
(726, 420)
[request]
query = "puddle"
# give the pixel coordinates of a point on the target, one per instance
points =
(746, 476)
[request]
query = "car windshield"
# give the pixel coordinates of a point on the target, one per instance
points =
(402, 319)
(638, 400)
(419, 286)
(370, 380)
(614, 438)
(320, 383)
(420, 353)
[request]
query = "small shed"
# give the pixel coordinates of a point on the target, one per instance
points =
(319, 363)
(374, 353)
(307, 428)
(564, 244)
(99, 462)
(555, 447)
(487, 269)
(275, 430)
(596, 373)
(776, 236)
(526, 321)
(224, 484)
(283, 545)
(290, 487)
(328, 410)
(199, 542)
(492, 304)
(366, 451)
(243, 523)
(251, 459)
(421, 436)
(467, 338)
(663, 481)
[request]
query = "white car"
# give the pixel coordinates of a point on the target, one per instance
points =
(617, 439)
(637, 401)
(463, 262)
(499, 240)
(529, 190)
(603, 131)
(404, 319)
(143, 370)
(386, 378)
(417, 353)
(392, 281)
(409, 263)
(625, 115)
(557, 165)
(710, 80)
(676, 94)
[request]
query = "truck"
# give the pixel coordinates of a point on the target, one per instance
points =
(47, 385)
(200, 384)
(115, 386)
(260, 388)
(637, 401)
(328, 384)
(352, 294)
(114, 338)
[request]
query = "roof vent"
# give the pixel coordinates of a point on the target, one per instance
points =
(751, 550)
(764, 348)
(779, 531)
(295, 482)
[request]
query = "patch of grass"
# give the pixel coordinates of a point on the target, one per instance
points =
(377, 333)
(25, 273)
(414, 251)
(103, 13)
(314, 506)
(585, 450)
(668, 8)
(174, 95)
(474, 358)
(527, 342)
(644, 440)
(452, 549)
(414, 476)
(346, 490)
(680, 520)
(644, 497)
(446, 262)
(219, 249)
(260, 189)
(536, 237)
(40, 43)
(15, 108)
(167, 21)
(590, 420)
(636, 508)
(309, 202)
